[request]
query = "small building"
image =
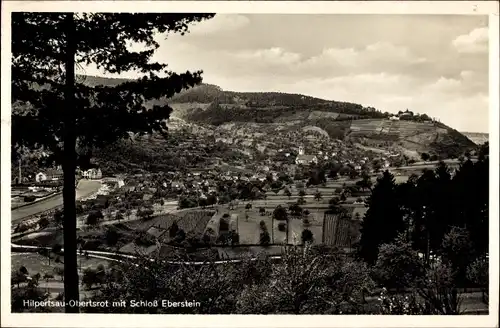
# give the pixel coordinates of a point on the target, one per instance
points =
(93, 174)
(49, 175)
(39, 177)
(176, 185)
(304, 159)
(394, 118)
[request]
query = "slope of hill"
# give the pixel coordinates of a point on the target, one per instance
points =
(282, 113)
(476, 137)
(207, 93)
(266, 112)
(93, 81)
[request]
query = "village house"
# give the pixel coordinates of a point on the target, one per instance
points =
(92, 174)
(39, 177)
(176, 185)
(304, 159)
(49, 175)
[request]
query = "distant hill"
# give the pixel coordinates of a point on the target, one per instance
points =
(210, 105)
(208, 93)
(98, 80)
(267, 120)
(476, 137)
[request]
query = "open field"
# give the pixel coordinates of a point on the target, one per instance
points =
(297, 226)
(248, 224)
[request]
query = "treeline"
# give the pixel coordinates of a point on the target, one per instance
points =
(207, 93)
(216, 114)
(439, 214)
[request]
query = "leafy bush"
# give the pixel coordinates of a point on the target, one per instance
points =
(112, 236)
(29, 199)
(174, 228)
(398, 265)
(264, 239)
(307, 236)
(94, 218)
(223, 225)
(263, 225)
(144, 239)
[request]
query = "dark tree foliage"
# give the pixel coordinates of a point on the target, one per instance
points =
(57, 248)
(280, 213)
(383, 220)
(112, 236)
(295, 210)
(316, 177)
(54, 112)
(264, 238)
(94, 218)
(458, 252)
(334, 207)
(174, 228)
(103, 114)
(59, 218)
(440, 213)
(306, 236)
(43, 222)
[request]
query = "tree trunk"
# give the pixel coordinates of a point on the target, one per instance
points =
(428, 248)
(287, 229)
(69, 166)
(272, 230)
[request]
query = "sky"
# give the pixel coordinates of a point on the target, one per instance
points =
(433, 64)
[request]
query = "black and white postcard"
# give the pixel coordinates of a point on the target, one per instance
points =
(283, 164)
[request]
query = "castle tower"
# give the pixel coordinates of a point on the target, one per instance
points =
(301, 150)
